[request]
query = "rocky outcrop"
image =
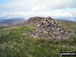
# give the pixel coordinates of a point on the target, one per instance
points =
(34, 20)
(49, 28)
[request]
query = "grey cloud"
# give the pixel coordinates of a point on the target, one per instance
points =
(46, 7)
(28, 5)
(60, 4)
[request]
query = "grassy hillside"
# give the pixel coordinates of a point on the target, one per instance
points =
(15, 42)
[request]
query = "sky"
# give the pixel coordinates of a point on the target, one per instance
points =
(29, 8)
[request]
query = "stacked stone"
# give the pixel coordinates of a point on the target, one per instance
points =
(49, 28)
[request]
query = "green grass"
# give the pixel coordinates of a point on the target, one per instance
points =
(16, 42)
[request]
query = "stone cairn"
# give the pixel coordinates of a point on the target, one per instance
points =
(49, 28)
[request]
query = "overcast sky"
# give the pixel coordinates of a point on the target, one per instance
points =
(26, 8)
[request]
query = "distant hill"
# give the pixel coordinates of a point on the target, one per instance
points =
(12, 21)
(73, 19)
(64, 21)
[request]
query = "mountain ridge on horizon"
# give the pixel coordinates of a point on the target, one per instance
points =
(13, 21)
(61, 18)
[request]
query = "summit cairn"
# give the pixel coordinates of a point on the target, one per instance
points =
(49, 28)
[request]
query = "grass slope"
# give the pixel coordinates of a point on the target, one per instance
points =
(15, 42)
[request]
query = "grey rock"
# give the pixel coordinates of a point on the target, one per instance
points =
(49, 28)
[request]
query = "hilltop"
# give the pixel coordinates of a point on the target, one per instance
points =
(15, 42)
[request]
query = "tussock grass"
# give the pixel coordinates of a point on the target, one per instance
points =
(15, 42)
